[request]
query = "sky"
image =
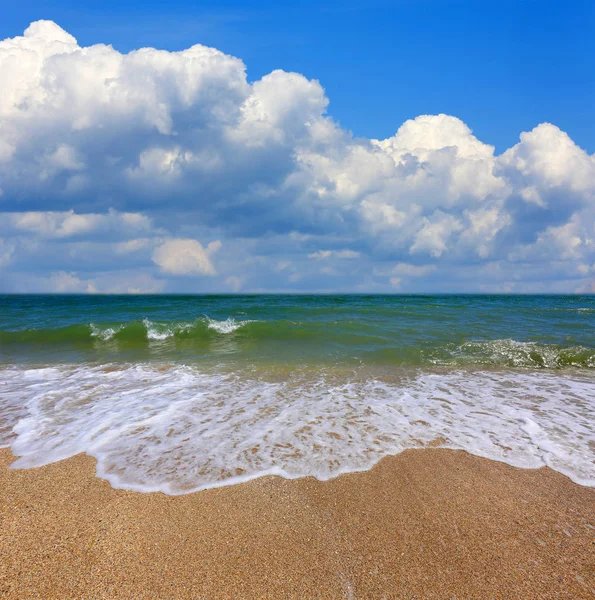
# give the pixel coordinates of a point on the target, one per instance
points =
(389, 147)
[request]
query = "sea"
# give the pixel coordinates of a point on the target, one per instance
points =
(184, 393)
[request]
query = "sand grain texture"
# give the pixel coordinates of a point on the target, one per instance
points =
(425, 524)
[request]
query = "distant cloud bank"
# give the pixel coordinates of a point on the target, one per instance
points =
(168, 171)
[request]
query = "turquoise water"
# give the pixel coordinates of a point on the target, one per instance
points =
(529, 331)
(182, 393)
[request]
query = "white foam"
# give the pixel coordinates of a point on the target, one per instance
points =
(521, 354)
(178, 430)
(105, 334)
(229, 325)
(163, 331)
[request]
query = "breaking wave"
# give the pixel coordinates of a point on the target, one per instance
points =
(359, 341)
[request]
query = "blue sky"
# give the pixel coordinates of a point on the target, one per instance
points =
(182, 172)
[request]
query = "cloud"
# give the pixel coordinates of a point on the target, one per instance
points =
(341, 254)
(62, 282)
(547, 159)
(132, 246)
(435, 234)
(69, 283)
(68, 224)
(399, 274)
(112, 162)
(234, 282)
(6, 251)
(409, 270)
(185, 257)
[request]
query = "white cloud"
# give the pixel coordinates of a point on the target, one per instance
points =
(154, 150)
(69, 283)
(427, 133)
(63, 282)
(185, 257)
(282, 265)
(68, 224)
(483, 225)
(435, 234)
(547, 158)
(574, 240)
(130, 284)
(401, 274)
(409, 270)
(132, 246)
(341, 254)
(382, 216)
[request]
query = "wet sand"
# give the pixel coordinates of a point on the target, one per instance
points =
(425, 524)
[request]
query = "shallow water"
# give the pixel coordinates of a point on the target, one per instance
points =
(184, 393)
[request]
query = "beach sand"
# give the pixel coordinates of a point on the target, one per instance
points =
(428, 523)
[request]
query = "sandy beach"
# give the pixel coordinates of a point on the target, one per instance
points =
(425, 524)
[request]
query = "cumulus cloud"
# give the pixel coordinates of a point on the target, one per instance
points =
(128, 159)
(185, 257)
(547, 159)
(69, 283)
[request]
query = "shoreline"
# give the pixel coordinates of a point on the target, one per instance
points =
(429, 523)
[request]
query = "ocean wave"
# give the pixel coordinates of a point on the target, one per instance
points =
(106, 333)
(163, 331)
(512, 353)
(177, 429)
(144, 329)
(229, 325)
(200, 328)
(350, 341)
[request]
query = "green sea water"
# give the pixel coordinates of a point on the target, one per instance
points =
(183, 393)
(506, 331)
